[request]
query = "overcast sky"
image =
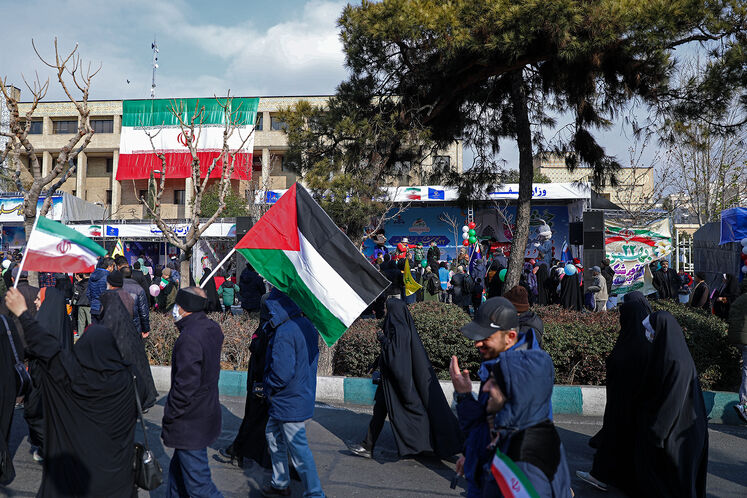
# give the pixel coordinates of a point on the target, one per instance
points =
(253, 48)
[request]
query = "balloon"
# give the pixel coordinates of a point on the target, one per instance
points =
(424, 263)
(401, 247)
(502, 274)
(154, 290)
(466, 242)
(472, 239)
(570, 269)
(744, 242)
(744, 269)
(465, 236)
(471, 225)
(465, 229)
(744, 250)
(472, 232)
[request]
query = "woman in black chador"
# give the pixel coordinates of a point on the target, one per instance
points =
(571, 295)
(614, 461)
(409, 393)
(89, 411)
(672, 440)
(115, 317)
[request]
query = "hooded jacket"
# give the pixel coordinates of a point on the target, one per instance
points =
(291, 361)
(192, 415)
(227, 291)
(96, 287)
(251, 289)
(141, 307)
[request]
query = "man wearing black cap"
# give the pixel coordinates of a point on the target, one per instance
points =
(699, 297)
(192, 415)
(494, 329)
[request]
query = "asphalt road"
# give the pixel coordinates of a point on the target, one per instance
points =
(344, 475)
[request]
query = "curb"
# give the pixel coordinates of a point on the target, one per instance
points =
(588, 401)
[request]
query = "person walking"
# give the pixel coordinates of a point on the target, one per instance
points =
(141, 277)
(700, 295)
(409, 394)
(192, 415)
(290, 384)
(251, 289)
(227, 293)
(668, 283)
(167, 296)
(431, 285)
(444, 278)
(738, 337)
(97, 286)
(89, 410)
(461, 289)
(81, 304)
(724, 295)
(598, 288)
(141, 304)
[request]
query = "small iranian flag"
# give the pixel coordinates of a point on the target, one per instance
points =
(300, 250)
(53, 247)
(511, 480)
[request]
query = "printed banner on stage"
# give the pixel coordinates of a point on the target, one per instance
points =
(11, 208)
(632, 249)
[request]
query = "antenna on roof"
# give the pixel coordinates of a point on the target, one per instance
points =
(154, 46)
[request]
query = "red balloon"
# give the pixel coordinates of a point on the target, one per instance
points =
(466, 242)
(471, 225)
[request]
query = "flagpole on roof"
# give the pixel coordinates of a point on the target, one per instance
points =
(205, 280)
(25, 252)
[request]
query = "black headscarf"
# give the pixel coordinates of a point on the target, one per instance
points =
(63, 284)
(129, 343)
(418, 411)
(211, 290)
(89, 414)
(672, 441)
(571, 296)
(615, 443)
(52, 315)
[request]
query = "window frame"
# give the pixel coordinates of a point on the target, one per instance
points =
(56, 122)
(182, 194)
(103, 120)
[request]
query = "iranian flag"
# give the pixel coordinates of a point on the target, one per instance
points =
(511, 480)
(53, 247)
(300, 250)
(143, 119)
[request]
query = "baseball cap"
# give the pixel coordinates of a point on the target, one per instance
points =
(497, 313)
(596, 269)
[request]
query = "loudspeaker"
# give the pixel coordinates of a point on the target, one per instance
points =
(593, 221)
(576, 233)
(243, 225)
(593, 257)
(593, 240)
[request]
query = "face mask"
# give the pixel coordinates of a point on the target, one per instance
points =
(175, 313)
(649, 329)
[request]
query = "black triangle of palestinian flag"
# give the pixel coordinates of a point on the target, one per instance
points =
(298, 248)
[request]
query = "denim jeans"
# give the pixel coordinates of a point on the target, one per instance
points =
(743, 387)
(290, 437)
(189, 475)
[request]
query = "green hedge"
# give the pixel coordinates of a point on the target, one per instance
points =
(578, 342)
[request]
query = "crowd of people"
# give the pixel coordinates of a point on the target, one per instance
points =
(83, 342)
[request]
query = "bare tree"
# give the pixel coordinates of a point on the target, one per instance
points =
(191, 124)
(18, 146)
(456, 229)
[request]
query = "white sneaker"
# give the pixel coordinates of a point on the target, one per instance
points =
(36, 456)
(742, 411)
(591, 480)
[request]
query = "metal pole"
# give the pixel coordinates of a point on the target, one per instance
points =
(205, 280)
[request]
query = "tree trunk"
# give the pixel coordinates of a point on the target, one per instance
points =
(28, 226)
(526, 172)
(325, 358)
(184, 269)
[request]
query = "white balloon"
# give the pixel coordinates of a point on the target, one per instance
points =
(465, 229)
(744, 250)
(744, 242)
(744, 269)
(465, 235)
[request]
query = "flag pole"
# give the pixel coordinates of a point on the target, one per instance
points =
(25, 252)
(205, 280)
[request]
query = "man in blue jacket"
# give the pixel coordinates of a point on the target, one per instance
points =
(494, 329)
(192, 416)
(290, 384)
(97, 286)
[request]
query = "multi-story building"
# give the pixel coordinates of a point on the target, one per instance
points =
(635, 185)
(95, 180)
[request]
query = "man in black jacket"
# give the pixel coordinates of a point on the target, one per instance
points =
(251, 289)
(192, 415)
(142, 278)
(141, 308)
(668, 282)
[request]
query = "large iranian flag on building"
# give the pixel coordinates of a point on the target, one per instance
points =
(300, 250)
(154, 117)
(53, 247)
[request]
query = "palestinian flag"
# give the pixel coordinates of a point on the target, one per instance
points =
(53, 247)
(143, 117)
(511, 480)
(300, 250)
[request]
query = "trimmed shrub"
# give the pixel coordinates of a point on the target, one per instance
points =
(357, 349)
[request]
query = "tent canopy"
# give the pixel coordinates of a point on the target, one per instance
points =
(733, 225)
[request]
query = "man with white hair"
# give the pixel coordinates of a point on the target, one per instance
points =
(599, 288)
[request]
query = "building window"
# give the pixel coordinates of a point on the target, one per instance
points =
(37, 127)
(258, 121)
(109, 164)
(277, 124)
(102, 125)
(64, 126)
(109, 197)
(443, 162)
(142, 194)
(257, 162)
(74, 192)
(179, 197)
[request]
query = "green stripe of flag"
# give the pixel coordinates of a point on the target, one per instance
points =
(282, 274)
(136, 113)
(60, 230)
(518, 473)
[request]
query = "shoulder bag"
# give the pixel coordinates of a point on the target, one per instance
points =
(23, 379)
(148, 472)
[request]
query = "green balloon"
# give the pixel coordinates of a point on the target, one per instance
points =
(424, 263)
(502, 274)
(472, 239)
(472, 232)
